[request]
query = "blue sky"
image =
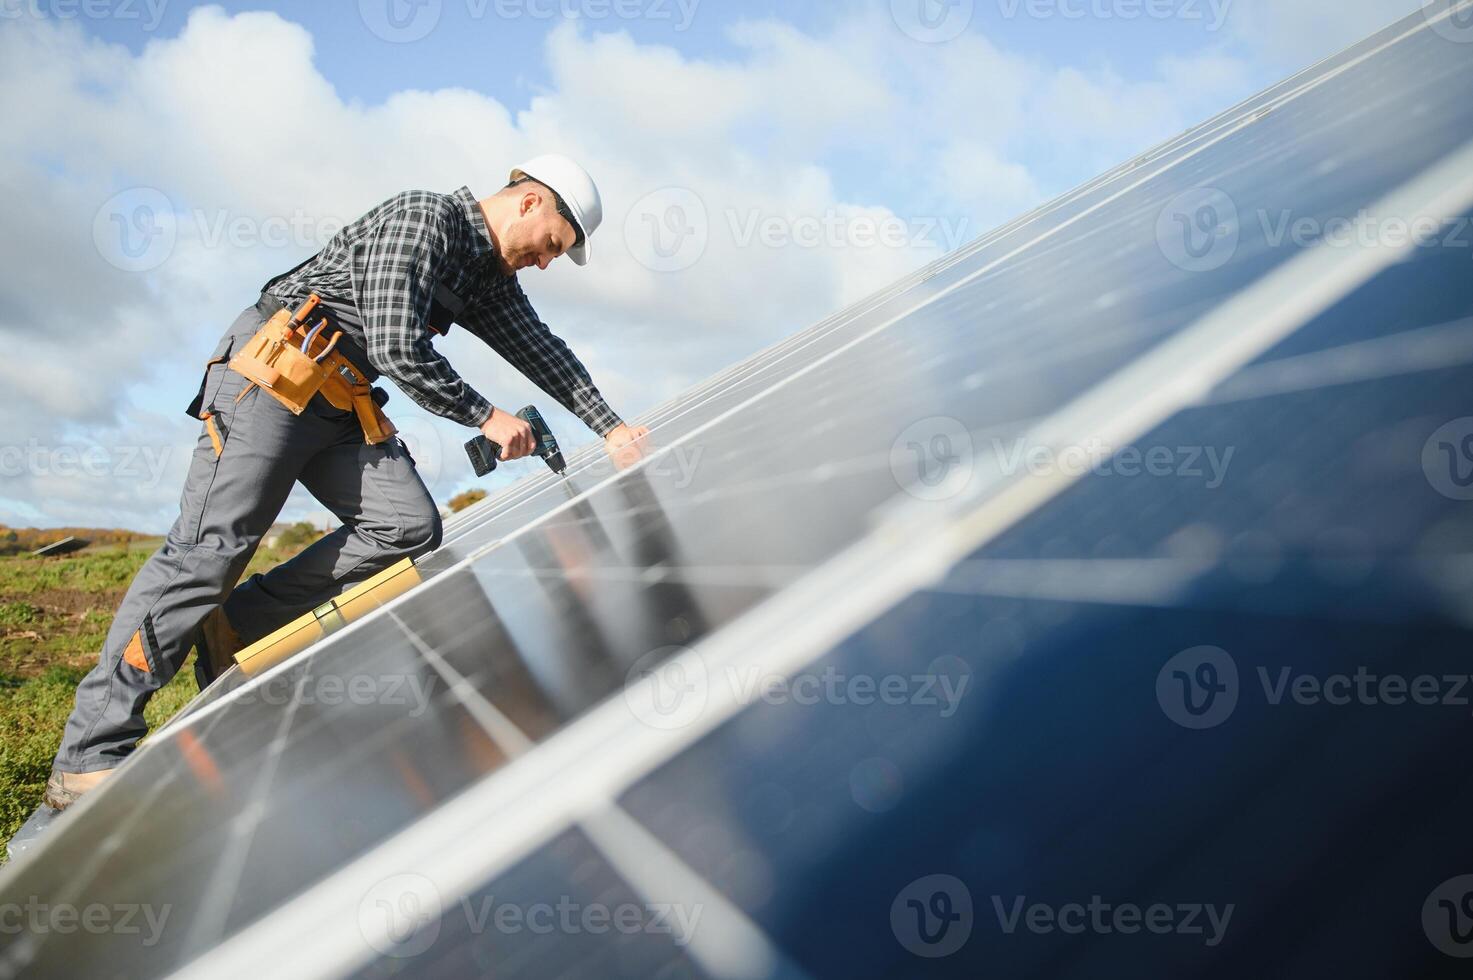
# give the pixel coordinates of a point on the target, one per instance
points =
(738, 116)
(503, 55)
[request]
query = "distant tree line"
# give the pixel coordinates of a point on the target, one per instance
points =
(19, 540)
(461, 501)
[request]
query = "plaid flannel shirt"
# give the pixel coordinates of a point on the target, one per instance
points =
(389, 262)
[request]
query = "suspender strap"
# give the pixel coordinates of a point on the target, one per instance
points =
(291, 272)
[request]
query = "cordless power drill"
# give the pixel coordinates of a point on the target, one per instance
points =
(483, 452)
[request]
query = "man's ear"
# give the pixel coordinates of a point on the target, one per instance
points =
(529, 201)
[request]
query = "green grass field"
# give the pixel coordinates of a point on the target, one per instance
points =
(54, 615)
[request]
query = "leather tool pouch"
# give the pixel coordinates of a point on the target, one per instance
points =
(346, 389)
(274, 359)
(292, 363)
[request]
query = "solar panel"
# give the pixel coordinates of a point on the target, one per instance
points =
(863, 675)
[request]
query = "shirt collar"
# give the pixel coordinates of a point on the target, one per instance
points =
(481, 241)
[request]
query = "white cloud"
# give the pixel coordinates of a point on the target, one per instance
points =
(985, 183)
(821, 168)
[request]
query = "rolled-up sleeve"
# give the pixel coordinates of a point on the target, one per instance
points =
(402, 259)
(510, 326)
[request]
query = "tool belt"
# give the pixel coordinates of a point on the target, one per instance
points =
(292, 362)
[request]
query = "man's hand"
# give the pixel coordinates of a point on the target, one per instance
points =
(511, 433)
(626, 445)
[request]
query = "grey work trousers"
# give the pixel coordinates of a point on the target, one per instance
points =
(230, 500)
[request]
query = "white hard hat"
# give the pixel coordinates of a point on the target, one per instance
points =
(576, 190)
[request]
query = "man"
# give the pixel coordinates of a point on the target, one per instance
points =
(389, 281)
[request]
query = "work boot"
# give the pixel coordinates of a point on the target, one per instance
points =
(65, 788)
(215, 645)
